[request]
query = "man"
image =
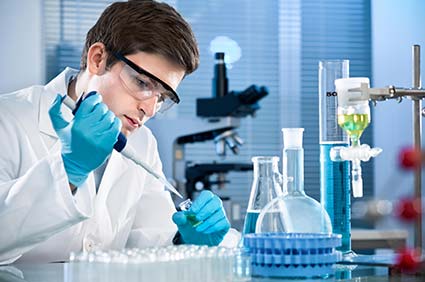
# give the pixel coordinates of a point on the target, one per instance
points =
(62, 186)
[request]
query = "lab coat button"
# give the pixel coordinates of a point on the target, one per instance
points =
(90, 245)
(87, 245)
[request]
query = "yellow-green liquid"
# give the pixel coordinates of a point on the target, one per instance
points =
(354, 124)
(192, 219)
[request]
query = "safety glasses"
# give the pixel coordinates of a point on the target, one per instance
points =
(143, 85)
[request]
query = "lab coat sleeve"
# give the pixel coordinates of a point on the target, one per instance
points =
(35, 199)
(153, 225)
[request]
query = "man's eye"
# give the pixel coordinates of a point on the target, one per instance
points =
(141, 83)
(161, 98)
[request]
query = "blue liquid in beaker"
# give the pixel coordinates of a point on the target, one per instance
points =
(335, 193)
(250, 222)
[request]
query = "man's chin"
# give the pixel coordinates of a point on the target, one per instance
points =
(126, 132)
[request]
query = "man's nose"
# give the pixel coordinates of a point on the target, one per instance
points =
(149, 105)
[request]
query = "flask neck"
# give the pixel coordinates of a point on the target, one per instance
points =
(265, 185)
(265, 168)
(293, 167)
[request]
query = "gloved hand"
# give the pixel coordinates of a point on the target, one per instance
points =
(208, 209)
(88, 139)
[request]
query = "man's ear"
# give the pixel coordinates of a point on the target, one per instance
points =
(96, 58)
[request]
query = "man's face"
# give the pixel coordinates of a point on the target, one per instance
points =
(127, 104)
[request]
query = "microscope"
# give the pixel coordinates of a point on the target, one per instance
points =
(217, 120)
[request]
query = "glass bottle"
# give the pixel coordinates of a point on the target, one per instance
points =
(294, 212)
(266, 185)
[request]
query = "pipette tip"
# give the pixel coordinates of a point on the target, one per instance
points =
(174, 190)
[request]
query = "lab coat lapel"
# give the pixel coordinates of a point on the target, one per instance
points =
(59, 85)
(115, 168)
(49, 135)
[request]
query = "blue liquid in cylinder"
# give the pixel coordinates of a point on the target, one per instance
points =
(335, 193)
(250, 222)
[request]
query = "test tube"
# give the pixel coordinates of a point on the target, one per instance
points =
(185, 206)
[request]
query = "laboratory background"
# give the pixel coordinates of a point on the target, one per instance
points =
(275, 45)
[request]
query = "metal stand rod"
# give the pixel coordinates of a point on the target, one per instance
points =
(417, 134)
(416, 94)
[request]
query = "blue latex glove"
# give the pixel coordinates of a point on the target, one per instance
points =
(208, 209)
(88, 139)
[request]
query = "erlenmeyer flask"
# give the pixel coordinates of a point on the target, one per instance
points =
(294, 212)
(266, 185)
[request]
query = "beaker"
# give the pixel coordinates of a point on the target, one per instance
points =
(334, 176)
(267, 184)
(293, 212)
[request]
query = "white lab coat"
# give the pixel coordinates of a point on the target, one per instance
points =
(40, 220)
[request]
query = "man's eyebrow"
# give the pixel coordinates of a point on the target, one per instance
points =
(147, 79)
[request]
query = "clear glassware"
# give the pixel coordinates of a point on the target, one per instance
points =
(294, 212)
(182, 262)
(185, 206)
(335, 187)
(266, 185)
(241, 265)
(354, 117)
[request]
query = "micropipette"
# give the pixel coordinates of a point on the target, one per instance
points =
(125, 149)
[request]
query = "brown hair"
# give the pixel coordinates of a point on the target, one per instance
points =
(148, 26)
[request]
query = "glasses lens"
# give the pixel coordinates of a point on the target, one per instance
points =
(165, 105)
(143, 87)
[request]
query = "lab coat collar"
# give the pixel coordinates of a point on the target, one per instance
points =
(58, 85)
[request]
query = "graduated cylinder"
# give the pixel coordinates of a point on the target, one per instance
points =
(334, 176)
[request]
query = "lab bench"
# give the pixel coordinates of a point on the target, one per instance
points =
(372, 239)
(67, 272)
(363, 268)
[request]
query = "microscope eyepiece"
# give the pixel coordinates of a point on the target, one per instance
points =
(219, 56)
(220, 82)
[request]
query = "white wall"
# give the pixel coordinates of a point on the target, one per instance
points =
(22, 59)
(396, 26)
